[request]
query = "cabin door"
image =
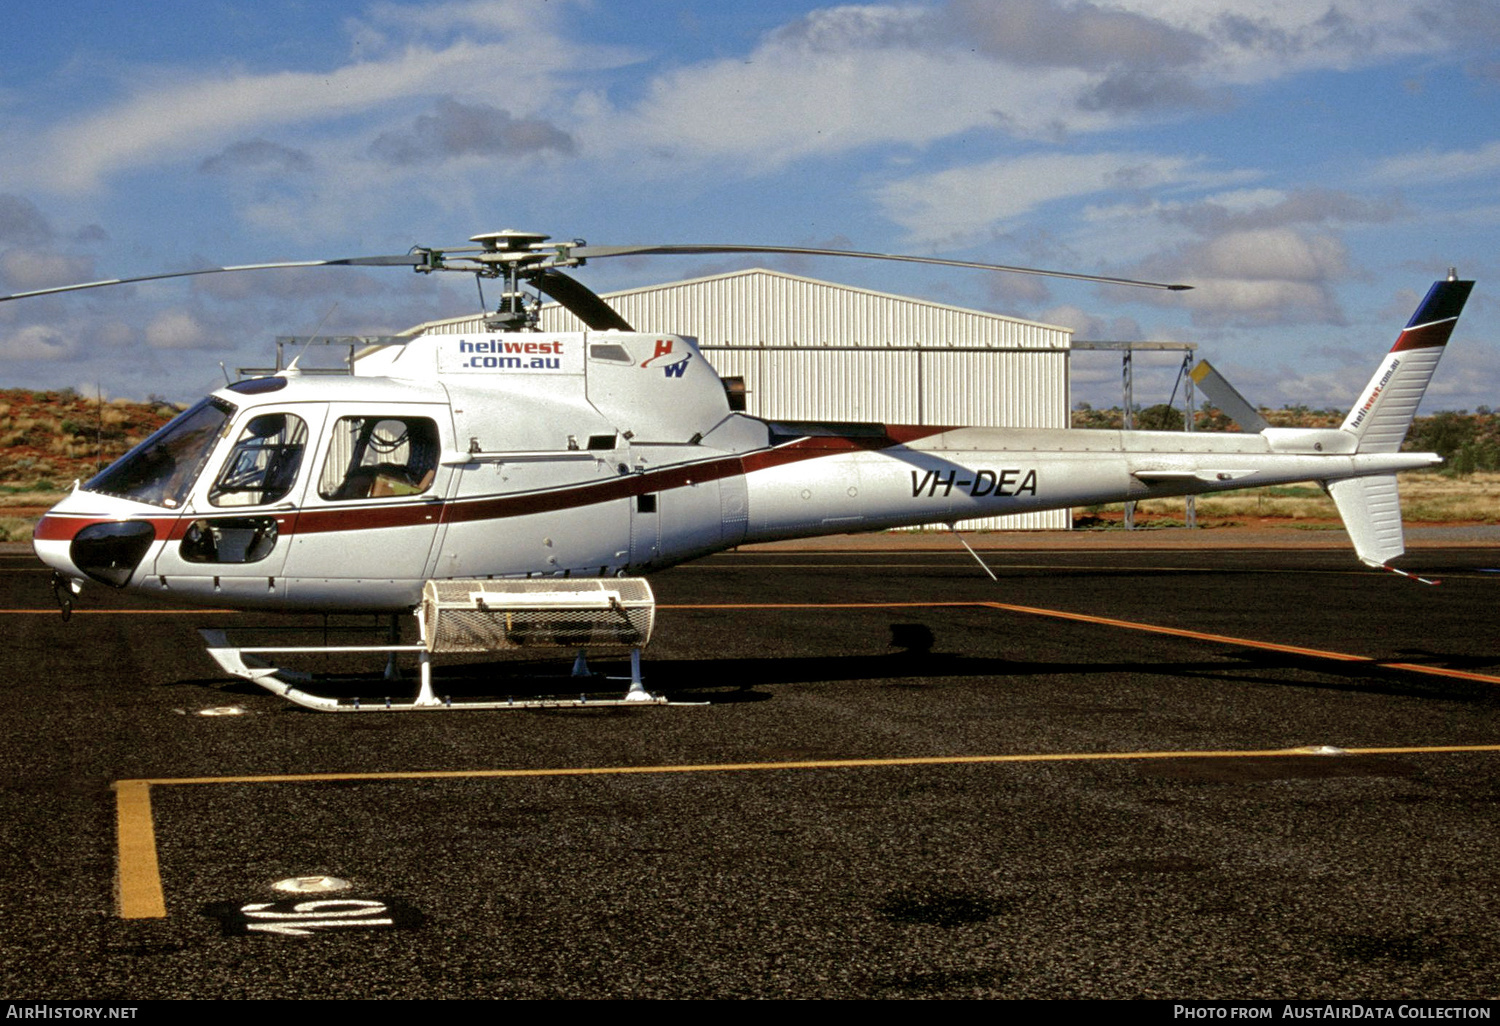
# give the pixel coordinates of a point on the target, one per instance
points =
(239, 523)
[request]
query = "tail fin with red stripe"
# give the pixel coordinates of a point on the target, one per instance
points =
(1385, 409)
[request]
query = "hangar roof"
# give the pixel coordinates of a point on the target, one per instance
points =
(765, 307)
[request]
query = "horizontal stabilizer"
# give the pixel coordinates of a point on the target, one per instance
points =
(1169, 476)
(1371, 510)
(1227, 398)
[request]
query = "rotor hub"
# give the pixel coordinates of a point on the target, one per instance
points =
(511, 240)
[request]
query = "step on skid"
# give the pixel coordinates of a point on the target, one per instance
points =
(536, 616)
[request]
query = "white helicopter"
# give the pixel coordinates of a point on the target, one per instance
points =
(507, 485)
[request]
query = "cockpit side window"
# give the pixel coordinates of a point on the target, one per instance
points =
(263, 465)
(379, 458)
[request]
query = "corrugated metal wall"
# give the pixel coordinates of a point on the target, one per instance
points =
(774, 330)
(771, 308)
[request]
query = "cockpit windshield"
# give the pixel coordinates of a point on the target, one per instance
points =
(162, 469)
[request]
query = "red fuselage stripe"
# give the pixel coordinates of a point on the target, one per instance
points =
(63, 526)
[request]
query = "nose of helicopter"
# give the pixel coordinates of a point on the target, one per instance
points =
(50, 540)
(104, 551)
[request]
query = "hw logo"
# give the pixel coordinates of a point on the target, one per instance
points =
(675, 369)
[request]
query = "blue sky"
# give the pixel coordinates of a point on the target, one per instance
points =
(1310, 168)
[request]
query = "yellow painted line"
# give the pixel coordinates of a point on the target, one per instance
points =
(1442, 671)
(827, 605)
(140, 877)
(1080, 568)
(1125, 548)
(1179, 632)
(1272, 646)
(954, 564)
(115, 612)
(139, 880)
(741, 767)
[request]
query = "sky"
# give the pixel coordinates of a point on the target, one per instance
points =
(1310, 168)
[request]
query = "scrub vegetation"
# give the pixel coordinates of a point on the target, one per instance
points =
(1427, 496)
(48, 440)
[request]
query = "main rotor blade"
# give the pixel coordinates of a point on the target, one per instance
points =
(579, 300)
(405, 259)
(589, 252)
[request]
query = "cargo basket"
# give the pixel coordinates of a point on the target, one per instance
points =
(594, 614)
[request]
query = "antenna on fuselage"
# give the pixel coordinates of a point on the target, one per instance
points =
(962, 541)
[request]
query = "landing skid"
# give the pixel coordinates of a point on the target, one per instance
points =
(484, 617)
(243, 662)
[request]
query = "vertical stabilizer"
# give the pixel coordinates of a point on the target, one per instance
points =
(1371, 511)
(1385, 408)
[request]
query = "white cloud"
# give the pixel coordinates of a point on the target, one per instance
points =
(432, 19)
(1433, 166)
(1278, 254)
(37, 342)
(1256, 302)
(170, 113)
(185, 117)
(1078, 34)
(178, 329)
(1091, 326)
(1255, 277)
(962, 204)
(1266, 39)
(1163, 236)
(847, 77)
(783, 104)
(836, 80)
(23, 270)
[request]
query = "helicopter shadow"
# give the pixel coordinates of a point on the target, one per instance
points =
(913, 664)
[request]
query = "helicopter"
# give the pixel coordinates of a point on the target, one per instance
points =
(510, 486)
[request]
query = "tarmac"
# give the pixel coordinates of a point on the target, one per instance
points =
(1144, 765)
